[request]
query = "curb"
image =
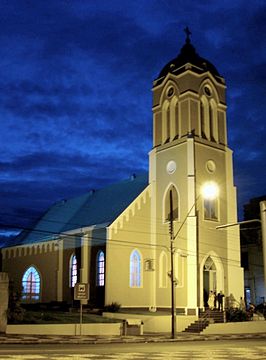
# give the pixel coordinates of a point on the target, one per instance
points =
(92, 340)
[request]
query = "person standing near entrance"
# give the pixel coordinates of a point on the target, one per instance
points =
(215, 300)
(242, 304)
(211, 300)
(220, 297)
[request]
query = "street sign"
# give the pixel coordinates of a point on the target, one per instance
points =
(81, 291)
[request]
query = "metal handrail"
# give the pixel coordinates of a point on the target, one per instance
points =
(202, 319)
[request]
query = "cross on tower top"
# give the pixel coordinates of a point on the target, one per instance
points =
(188, 33)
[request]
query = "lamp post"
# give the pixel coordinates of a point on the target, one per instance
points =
(209, 191)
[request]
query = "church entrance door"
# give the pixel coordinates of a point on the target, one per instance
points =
(209, 279)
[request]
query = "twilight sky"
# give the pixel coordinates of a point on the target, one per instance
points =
(75, 91)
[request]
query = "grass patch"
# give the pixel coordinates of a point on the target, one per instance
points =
(53, 317)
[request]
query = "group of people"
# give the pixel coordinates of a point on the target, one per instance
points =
(215, 299)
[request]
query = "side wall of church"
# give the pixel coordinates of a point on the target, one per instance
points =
(129, 232)
(70, 246)
(43, 257)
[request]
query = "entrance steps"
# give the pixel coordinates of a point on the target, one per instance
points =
(206, 317)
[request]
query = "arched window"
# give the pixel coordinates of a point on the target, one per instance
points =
(31, 285)
(209, 275)
(100, 268)
(174, 118)
(213, 121)
(135, 269)
(168, 125)
(73, 270)
(177, 122)
(163, 270)
(166, 122)
(204, 117)
(211, 209)
(167, 213)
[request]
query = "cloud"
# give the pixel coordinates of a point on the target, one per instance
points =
(75, 99)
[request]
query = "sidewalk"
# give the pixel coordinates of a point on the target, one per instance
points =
(147, 338)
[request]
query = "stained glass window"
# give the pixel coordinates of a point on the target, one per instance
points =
(73, 270)
(100, 268)
(135, 269)
(31, 285)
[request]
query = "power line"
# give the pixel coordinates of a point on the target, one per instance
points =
(121, 243)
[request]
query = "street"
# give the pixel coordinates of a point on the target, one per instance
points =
(218, 349)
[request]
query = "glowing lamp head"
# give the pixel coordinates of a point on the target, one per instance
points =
(210, 190)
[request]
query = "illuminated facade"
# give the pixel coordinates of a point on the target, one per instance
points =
(121, 245)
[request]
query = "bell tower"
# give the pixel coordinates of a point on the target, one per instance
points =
(186, 101)
(190, 149)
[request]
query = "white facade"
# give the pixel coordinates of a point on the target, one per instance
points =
(189, 150)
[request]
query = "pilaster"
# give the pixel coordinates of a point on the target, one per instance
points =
(84, 272)
(60, 249)
(192, 267)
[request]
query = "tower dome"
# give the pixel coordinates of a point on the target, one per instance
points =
(187, 55)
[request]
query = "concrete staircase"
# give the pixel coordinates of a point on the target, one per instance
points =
(206, 317)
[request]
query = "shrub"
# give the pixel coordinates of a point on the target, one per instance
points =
(113, 307)
(261, 308)
(15, 313)
(236, 315)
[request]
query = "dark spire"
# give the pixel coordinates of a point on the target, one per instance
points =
(188, 33)
(188, 55)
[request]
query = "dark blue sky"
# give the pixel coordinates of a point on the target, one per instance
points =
(75, 91)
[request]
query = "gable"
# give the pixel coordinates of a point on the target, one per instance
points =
(101, 206)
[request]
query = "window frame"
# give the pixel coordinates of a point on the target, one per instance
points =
(213, 205)
(34, 281)
(176, 204)
(135, 269)
(73, 276)
(100, 269)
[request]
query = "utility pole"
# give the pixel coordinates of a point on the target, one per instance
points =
(172, 249)
(263, 231)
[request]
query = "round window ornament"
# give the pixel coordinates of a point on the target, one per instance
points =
(207, 90)
(210, 166)
(171, 167)
(170, 91)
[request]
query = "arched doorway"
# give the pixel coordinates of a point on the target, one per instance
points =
(209, 278)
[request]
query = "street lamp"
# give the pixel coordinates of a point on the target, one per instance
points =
(209, 191)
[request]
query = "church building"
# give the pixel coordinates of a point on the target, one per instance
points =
(120, 239)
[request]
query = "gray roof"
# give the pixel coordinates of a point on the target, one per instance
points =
(93, 208)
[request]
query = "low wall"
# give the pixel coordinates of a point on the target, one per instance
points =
(245, 327)
(156, 323)
(4, 292)
(65, 329)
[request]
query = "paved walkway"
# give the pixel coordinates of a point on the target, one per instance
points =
(147, 338)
